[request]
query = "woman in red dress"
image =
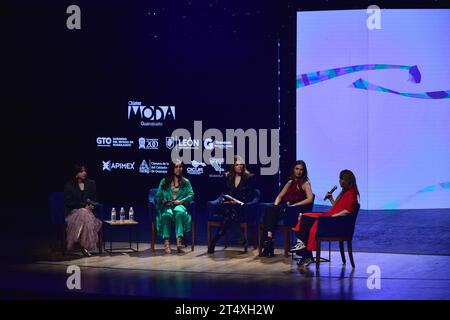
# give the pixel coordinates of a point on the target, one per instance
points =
(345, 203)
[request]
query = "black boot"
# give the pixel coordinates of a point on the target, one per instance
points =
(245, 244)
(212, 246)
(240, 236)
(265, 251)
(270, 249)
(267, 248)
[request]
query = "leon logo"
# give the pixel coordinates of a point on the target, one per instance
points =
(170, 142)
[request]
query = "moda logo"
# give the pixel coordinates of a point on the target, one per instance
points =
(109, 165)
(148, 144)
(197, 168)
(116, 142)
(150, 115)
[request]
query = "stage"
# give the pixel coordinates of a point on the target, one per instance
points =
(228, 274)
(107, 107)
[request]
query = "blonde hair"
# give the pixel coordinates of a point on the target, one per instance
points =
(231, 172)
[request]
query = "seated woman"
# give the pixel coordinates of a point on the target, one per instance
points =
(82, 225)
(297, 192)
(345, 204)
(172, 198)
(239, 185)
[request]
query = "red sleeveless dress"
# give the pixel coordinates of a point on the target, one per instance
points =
(295, 193)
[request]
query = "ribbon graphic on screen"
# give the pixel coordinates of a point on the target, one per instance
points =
(311, 78)
(365, 85)
(431, 188)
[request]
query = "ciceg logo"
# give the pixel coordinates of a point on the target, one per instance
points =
(150, 116)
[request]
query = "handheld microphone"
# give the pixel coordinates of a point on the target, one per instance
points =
(330, 192)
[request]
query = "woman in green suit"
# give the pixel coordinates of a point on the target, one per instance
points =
(172, 198)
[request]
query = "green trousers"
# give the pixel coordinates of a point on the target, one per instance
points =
(177, 215)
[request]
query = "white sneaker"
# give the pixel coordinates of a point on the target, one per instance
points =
(300, 245)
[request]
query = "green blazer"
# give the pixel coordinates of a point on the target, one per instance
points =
(185, 193)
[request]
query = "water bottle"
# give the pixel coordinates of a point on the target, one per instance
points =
(122, 215)
(113, 214)
(131, 214)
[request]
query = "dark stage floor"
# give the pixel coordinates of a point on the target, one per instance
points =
(229, 274)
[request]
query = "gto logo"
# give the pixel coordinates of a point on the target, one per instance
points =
(104, 141)
(116, 142)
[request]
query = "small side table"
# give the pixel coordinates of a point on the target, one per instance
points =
(130, 224)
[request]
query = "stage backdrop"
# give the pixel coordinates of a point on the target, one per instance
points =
(374, 98)
(111, 94)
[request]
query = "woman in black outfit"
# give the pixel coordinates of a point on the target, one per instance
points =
(82, 225)
(239, 185)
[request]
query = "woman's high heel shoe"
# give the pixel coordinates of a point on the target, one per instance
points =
(167, 248)
(180, 245)
(244, 243)
(85, 252)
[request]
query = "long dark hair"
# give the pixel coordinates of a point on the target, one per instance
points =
(304, 176)
(350, 179)
(77, 168)
(170, 174)
(231, 173)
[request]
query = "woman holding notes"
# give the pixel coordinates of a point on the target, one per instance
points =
(238, 190)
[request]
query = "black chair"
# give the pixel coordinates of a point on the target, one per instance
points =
(56, 207)
(153, 212)
(246, 220)
(337, 229)
(285, 225)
